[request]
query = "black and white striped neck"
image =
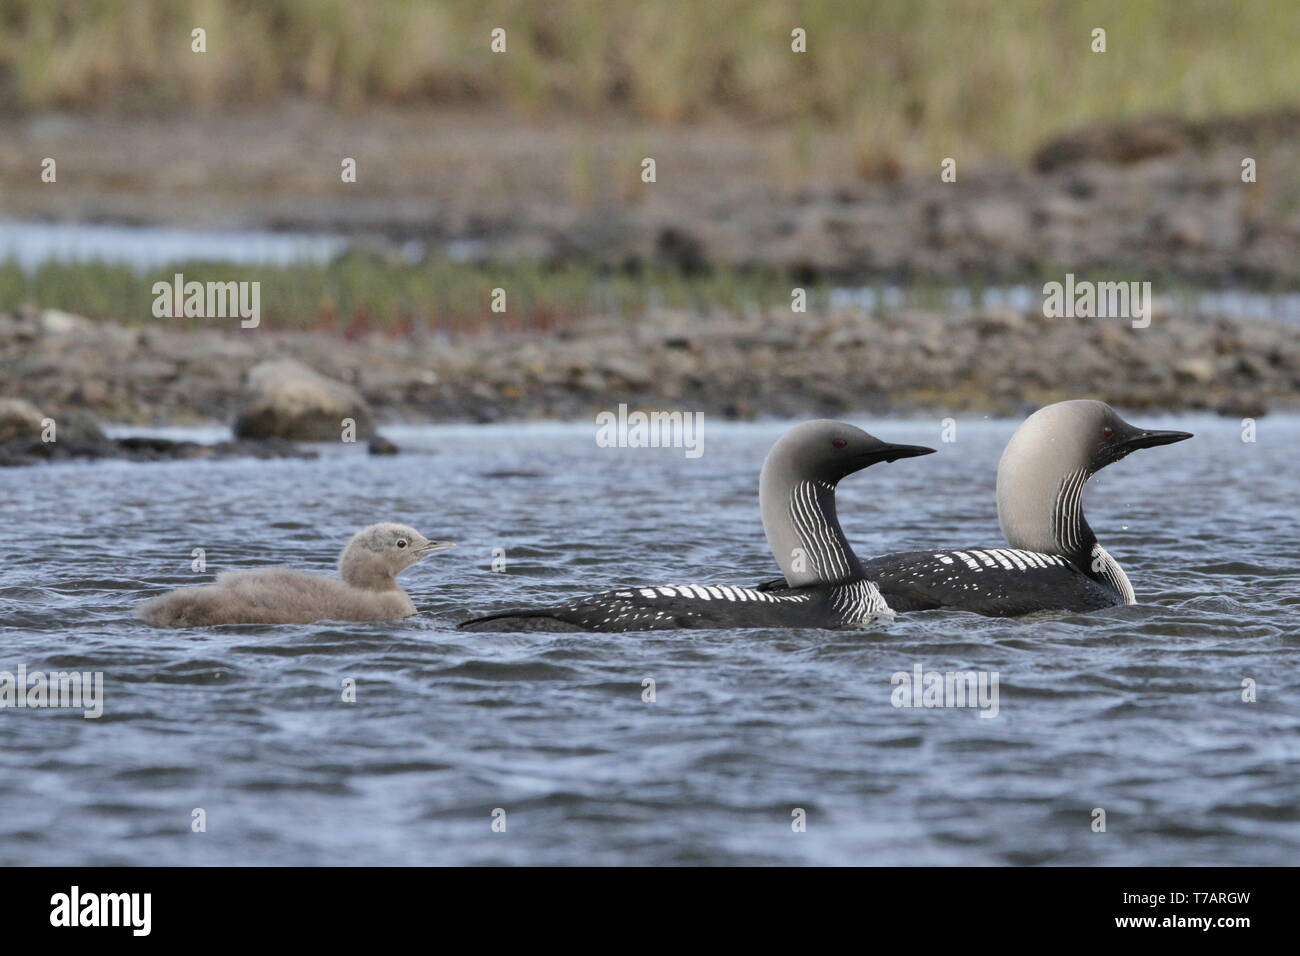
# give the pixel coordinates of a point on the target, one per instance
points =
(1070, 531)
(1076, 541)
(823, 550)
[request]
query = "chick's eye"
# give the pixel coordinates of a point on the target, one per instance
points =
(838, 442)
(401, 542)
(1107, 432)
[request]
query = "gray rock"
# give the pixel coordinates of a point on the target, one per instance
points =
(628, 373)
(286, 399)
(19, 419)
(77, 426)
(57, 322)
(1200, 370)
(998, 322)
(1242, 406)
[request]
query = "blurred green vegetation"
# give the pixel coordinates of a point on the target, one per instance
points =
(359, 293)
(994, 75)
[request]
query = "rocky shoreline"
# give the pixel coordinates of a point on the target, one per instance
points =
(20, 452)
(30, 436)
(765, 364)
(1157, 199)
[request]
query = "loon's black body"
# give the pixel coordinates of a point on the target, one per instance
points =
(997, 582)
(696, 607)
(1054, 562)
(823, 587)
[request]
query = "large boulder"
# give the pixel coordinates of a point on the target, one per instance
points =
(286, 399)
(77, 426)
(19, 419)
(24, 439)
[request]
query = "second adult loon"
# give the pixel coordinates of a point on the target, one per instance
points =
(1054, 562)
(824, 585)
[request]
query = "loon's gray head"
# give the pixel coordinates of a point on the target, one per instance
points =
(796, 494)
(377, 554)
(1046, 464)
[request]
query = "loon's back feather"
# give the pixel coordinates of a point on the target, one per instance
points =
(521, 620)
(680, 607)
(996, 582)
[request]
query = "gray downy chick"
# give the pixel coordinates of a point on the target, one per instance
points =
(365, 590)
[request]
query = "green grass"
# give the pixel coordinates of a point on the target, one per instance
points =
(359, 293)
(900, 76)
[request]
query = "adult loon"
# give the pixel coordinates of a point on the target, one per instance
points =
(1054, 562)
(365, 590)
(824, 585)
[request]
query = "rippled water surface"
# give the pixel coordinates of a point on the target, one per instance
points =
(1136, 710)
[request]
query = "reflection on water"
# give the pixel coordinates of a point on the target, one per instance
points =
(1135, 710)
(147, 247)
(1233, 303)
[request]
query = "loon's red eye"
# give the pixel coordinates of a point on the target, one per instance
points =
(838, 442)
(1107, 432)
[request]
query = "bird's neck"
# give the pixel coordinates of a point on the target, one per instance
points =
(1047, 516)
(804, 532)
(367, 575)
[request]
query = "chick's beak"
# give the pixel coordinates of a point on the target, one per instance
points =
(432, 547)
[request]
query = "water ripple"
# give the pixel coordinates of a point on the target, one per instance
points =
(397, 742)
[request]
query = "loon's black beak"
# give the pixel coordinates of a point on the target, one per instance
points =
(891, 452)
(1149, 439)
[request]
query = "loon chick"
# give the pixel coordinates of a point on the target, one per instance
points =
(365, 590)
(825, 584)
(1054, 562)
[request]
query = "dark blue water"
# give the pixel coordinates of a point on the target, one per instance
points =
(1135, 710)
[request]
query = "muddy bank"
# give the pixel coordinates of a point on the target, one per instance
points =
(775, 363)
(1158, 197)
